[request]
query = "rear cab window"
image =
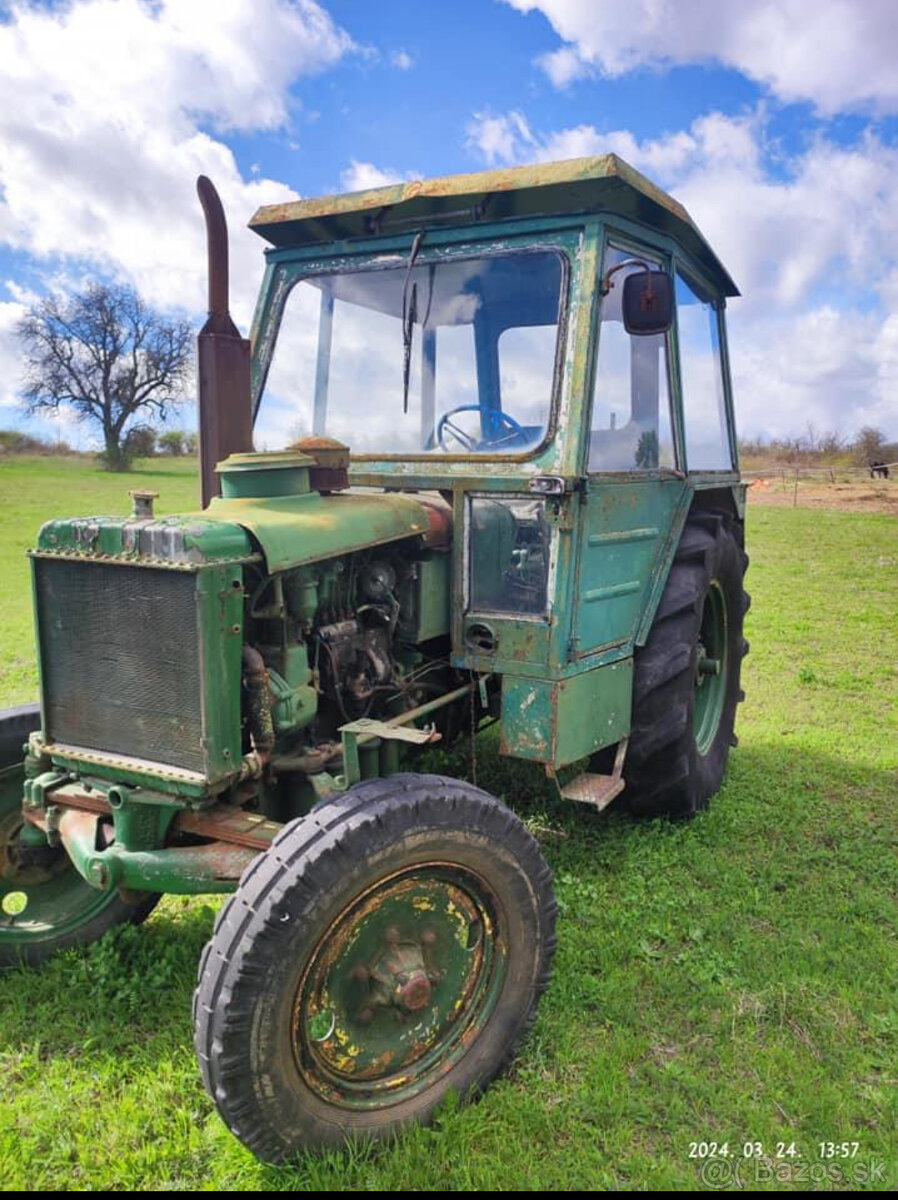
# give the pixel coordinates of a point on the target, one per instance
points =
(708, 445)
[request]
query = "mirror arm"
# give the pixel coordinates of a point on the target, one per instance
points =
(606, 284)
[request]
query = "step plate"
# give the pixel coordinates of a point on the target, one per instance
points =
(597, 790)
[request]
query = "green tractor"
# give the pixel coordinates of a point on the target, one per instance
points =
(494, 481)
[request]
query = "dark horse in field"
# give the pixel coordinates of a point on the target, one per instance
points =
(879, 470)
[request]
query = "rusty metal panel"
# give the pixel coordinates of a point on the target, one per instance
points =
(561, 721)
(592, 710)
(528, 718)
(581, 185)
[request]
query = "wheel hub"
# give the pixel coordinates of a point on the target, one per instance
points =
(399, 975)
(22, 865)
(398, 987)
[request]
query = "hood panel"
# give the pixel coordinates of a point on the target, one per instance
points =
(295, 530)
(291, 530)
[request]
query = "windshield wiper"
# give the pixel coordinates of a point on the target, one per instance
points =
(409, 316)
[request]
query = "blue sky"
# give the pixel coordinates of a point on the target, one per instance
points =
(779, 133)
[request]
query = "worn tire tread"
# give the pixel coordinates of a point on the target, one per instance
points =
(660, 770)
(305, 852)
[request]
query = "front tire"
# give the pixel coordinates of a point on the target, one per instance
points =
(45, 905)
(687, 676)
(390, 947)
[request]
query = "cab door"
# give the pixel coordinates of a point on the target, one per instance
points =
(635, 486)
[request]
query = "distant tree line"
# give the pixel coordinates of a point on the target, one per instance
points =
(142, 442)
(814, 448)
(13, 441)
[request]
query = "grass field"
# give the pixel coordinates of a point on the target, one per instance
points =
(732, 980)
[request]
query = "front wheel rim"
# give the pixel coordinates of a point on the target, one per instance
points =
(399, 987)
(711, 669)
(38, 902)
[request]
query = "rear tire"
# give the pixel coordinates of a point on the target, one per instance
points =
(687, 675)
(388, 948)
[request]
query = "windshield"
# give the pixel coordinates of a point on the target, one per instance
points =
(478, 341)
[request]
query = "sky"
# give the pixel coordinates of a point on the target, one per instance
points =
(774, 121)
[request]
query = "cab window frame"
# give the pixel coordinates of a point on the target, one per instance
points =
(701, 285)
(291, 269)
(615, 237)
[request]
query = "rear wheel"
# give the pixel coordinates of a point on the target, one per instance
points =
(45, 905)
(687, 676)
(388, 948)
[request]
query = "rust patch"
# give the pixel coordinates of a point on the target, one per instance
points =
(331, 458)
(224, 824)
(439, 517)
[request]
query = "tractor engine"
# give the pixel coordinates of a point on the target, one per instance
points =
(330, 638)
(344, 639)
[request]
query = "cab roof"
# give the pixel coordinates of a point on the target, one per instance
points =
(575, 185)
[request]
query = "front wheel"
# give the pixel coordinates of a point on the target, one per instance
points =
(45, 905)
(388, 948)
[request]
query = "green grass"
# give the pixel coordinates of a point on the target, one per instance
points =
(35, 489)
(729, 980)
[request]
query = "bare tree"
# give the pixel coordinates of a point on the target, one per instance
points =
(832, 443)
(868, 445)
(107, 356)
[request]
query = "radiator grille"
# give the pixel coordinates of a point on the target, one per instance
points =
(120, 666)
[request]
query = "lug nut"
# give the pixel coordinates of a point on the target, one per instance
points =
(365, 1016)
(392, 935)
(428, 938)
(361, 974)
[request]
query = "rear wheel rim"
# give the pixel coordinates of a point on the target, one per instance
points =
(711, 669)
(399, 987)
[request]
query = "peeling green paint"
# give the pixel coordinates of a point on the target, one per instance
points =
(294, 530)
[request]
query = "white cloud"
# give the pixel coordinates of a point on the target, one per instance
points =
(838, 54)
(100, 136)
(11, 312)
(826, 367)
(359, 176)
(402, 60)
(22, 294)
(502, 138)
(827, 229)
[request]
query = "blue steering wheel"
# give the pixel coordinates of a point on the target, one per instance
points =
(508, 429)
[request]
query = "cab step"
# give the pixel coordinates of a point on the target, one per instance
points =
(599, 790)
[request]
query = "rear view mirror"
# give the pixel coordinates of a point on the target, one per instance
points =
(647, 303)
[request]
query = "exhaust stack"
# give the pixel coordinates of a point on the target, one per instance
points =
(225, 399)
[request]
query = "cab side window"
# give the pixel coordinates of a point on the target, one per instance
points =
(631, 427)
(701, 380)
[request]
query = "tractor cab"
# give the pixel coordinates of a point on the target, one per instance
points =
(471, 335)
